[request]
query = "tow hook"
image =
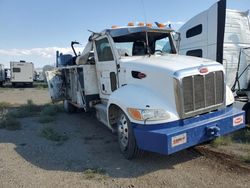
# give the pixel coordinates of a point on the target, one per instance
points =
(213, 131)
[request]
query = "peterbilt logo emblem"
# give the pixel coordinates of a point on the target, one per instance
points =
(203, 70)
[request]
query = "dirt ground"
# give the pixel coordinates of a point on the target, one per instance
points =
(29, 160)
(17, 96)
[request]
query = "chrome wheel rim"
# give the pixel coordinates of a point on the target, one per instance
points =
(123, 131)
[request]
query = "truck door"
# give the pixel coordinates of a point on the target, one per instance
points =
(106, 66)
(55, 84)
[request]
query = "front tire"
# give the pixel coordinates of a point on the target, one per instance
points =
(68, 107)
(126, 137)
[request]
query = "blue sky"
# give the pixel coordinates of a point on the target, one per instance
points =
(33, 30)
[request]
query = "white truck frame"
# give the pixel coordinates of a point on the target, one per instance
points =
(222, 35)
(141, 89)
(21, 73)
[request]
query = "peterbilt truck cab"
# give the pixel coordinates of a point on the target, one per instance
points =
(143, 90)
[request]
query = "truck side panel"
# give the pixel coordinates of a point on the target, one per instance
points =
(55, 84)
(77, 84)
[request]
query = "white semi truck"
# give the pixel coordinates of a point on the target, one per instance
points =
(2, 75)
(21, 73)
(222, 35)
(141, 89)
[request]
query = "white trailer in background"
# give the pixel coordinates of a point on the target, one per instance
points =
(38, 75)
(2, 75)
(222, 35)
(21, 73)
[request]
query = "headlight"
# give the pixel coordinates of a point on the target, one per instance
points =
(148, 114)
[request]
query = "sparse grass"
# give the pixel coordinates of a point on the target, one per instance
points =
(242, 136)
(223, 140)
(29, 109)
(4, 105)
(46, 119)
(246, 158)
(49, 110)
(238, 143)
(93, 172)
(5, 88)
(51, 134)
(9, 122)
(40, 85)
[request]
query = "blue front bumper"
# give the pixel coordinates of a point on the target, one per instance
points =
(171, 137)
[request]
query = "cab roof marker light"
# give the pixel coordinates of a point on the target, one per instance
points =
(131, 24)
(149, 24)
(141, 24)
(114, 26)
(160, 25)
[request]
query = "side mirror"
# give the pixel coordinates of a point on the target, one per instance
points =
(177, 36)
(177, 39)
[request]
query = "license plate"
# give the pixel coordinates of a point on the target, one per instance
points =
(238, 120)
(179, 139)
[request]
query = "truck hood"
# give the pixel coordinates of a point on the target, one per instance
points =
(171, 63)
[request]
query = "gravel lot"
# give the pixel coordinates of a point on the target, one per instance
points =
(91, 157)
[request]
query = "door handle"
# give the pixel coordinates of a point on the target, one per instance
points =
(103, 87)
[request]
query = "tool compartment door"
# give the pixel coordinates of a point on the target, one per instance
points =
(56, 85)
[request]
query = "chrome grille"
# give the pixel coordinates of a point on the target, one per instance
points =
(202, 92)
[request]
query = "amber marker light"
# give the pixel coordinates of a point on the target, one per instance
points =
(161, 25)
(131, 24)
(149, 24)
(135, 114)
(141, 24)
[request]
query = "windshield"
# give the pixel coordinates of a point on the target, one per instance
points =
(135, 44)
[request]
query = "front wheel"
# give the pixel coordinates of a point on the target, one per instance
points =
(126, 138)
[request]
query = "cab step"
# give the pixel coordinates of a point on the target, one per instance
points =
(101, 113)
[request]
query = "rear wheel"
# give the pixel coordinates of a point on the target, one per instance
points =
(68, 107)
(126, 138)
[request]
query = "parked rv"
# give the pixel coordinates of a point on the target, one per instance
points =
(141, 89)
(21, 73)
(222, 35)
(2, 75)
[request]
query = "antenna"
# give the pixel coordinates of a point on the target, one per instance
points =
(145, 20)
(144, 12)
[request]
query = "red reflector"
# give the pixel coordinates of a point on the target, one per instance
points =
(141, 75)
(238, 120)
(203, 70)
